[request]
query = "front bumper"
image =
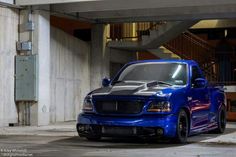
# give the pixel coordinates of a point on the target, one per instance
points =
(146, 125)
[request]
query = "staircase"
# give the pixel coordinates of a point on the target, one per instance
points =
(155, 37)
(168, 42)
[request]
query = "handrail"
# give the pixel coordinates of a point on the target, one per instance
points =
(198, 38)
(192, 44)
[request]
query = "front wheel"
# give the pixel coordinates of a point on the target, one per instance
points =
(182, 127)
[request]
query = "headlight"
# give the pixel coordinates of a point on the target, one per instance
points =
(163, 106)
(88, 104)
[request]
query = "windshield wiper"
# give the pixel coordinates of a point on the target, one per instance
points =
(164, 83)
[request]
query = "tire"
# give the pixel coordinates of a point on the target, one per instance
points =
(221, 121)
(182, 127)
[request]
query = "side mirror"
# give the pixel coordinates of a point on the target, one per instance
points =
(200, 83)
(106, 82)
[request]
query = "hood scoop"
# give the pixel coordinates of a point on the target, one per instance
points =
(151, 84)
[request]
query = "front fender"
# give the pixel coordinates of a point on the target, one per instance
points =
(179, 101)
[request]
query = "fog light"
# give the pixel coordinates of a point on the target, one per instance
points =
(159, 131)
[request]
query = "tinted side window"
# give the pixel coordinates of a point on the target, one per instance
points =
(195, 73)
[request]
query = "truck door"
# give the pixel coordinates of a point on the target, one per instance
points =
(199, 102)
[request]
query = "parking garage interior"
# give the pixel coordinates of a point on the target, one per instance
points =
(76, 47)
(54, 52)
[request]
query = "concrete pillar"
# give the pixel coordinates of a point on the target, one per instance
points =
(25, 115)
(99, 58)
(41, 46)
(37, 113)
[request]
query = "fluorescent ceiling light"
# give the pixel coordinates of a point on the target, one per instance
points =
(176, 71)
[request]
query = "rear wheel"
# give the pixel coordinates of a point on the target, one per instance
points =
(221, 120)
(182, 127)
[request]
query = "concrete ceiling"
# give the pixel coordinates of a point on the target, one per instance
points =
(40, 2)
(109, 11)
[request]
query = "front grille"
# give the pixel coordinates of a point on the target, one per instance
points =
(119, 107)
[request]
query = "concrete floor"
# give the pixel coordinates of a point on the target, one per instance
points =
(74, 146)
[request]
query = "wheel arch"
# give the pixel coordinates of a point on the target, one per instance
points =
(218, 99)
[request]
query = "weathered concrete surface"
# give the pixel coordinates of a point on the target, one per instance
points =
(152, 10)
(68, 129)
(41, 47)
(59, 129)
(99, 58)
(7, 1)
(30, 2)
(74, 146)
(121, 56)
(164, 53)
(27, 111)
(8, 38)
(69, 76)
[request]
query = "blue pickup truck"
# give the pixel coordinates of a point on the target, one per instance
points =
(154, 98)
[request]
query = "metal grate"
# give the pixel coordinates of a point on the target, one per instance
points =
(119, 107)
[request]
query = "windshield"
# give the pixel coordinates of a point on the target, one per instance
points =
(172, 73)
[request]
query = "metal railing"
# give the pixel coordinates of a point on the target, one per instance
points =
(190, 46)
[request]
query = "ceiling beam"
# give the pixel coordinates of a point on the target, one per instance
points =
(40, 2)
(180, 13)
(119, 5)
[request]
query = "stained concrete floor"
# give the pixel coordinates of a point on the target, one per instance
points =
(46, 146)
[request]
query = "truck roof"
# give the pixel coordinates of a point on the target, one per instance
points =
(189, 62)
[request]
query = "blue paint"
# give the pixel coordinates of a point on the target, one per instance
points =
(202, 105)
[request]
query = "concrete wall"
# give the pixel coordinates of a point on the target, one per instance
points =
(71, 67)
(121, 56)
(69, 61)
(8, 38)
(70, 75)
(7, 1)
